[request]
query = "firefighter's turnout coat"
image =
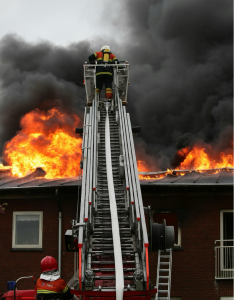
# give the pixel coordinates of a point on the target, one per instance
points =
(52, 284)
(104, 74)
(101, 57)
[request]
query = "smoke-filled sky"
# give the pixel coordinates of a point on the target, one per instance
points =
(180, 53)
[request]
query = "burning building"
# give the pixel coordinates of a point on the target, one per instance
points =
(198, 204)
(185, 104)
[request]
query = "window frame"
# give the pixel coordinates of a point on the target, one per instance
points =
(222, 268)
(178, 245)
(221, 221)
(35, 246)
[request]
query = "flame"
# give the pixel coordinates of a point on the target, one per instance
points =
(150, 177)
(198, 158)
(47, 140)
(142, 166)
(3, 168)
(201, 159)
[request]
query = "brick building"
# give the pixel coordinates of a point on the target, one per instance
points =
(199, 205)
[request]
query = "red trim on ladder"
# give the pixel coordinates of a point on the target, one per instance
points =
(147, 266)
(80, 283)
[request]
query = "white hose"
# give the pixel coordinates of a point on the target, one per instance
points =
(119, 279)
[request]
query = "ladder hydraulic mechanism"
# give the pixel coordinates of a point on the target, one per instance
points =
(109, 235)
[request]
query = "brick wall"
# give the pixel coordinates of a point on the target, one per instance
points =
(193, 268)
(25, 263)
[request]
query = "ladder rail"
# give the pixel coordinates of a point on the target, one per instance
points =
(170, 269)
(142, 214)
(83, 191)
(126, 153)
(157, 278)
(133, 190)
(89, 166)
(95, 151)
(123, 140)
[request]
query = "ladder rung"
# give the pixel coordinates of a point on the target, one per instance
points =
(112, 269)
(106, 277)
(112, 262)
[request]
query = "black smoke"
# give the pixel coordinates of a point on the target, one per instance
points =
(39, 76)
(181, 57)
(180, 90)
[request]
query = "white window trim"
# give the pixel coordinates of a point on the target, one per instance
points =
(221, 238)
(17, 213)
(221, 221)
(179, 236)
(227, 298)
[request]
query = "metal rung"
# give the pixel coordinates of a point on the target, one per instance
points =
(112, 252)
(112, 269)
(111, 277)
(109, 229)
(112, 262)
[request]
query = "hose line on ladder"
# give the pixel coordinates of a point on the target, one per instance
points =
(119, 280)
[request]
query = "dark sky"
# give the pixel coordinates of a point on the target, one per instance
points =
(180, 92)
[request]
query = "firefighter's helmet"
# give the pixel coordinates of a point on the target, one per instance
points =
(105, 47)
(48, 263)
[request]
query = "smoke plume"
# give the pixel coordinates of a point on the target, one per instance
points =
(180, 90)
(181, 74)
(38, 76)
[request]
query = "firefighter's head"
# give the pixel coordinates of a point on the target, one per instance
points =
(105, 48)
(48, 263)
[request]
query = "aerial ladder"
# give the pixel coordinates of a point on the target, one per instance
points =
(109, 234)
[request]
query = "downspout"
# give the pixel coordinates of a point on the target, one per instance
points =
(59, 233)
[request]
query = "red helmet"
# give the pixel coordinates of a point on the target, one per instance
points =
(48, 263)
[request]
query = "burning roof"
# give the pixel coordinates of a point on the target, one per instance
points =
(176, 177)
(46, 140)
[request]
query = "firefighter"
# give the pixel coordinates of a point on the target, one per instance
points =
(104, 74)
(50, 281)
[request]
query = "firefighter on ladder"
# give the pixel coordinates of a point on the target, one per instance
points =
(104, 74)
(50, 281)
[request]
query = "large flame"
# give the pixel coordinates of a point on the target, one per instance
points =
(47, 140)
(198, 158)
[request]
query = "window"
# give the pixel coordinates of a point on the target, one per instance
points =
(226, 226)
(27, 229)
(172, 219)
(227, 298)
(226, 240)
